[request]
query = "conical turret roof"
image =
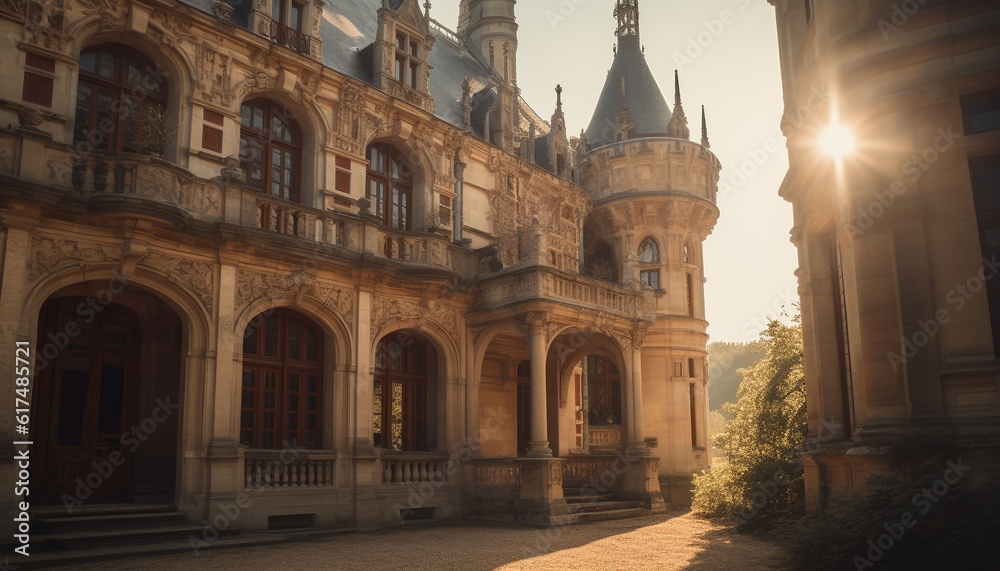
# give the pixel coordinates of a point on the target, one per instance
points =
(645, 102)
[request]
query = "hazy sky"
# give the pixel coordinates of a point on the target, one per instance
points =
(727, 54)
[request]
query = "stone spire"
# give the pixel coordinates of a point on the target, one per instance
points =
(678, 127)
(704, 130)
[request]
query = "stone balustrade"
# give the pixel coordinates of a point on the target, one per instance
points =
(403, 469)
(539, 282)
(288, 469)
(497, 473)
(605, 438)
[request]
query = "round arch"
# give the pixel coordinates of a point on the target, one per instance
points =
(104, 285)
(313, 128)
(423, 167)
(175, 65)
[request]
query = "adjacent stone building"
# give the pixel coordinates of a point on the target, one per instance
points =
(898, 240)
(325, 256)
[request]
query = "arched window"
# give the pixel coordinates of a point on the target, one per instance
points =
(282, 381)
(649, 251)
(270, 149)
(390, 186)
(121, 101)
(400, 402)
(604, 390)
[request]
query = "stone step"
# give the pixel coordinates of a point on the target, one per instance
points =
(607, 506)
(611, 514)
(579, 499)
(107, 522)
(98, 537)
(59, 511)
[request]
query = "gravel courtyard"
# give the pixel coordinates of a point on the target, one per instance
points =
(675, 540)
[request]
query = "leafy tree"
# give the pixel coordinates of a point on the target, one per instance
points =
(724, 363)
(762, 476)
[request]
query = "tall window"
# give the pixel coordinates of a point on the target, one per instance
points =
(282, 381)
(288, 13)
(604, 386)
(400, 399)
(694, 417)
(649, 254)
(981, 112)
(690, 295)
(390, 186)
(408, 63)
(121, 101)
(986, 187)
(270, 149)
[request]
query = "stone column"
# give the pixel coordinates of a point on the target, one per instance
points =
(539, 447)
(638, 433)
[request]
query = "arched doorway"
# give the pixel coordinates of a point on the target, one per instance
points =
(108, 376)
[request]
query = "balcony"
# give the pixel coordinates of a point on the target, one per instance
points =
(539, 283)
(288, 38)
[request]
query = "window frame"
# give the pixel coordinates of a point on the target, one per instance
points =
(283, 366)
(384, 206)
(118, 88)
(416, 423)
(971, 99)
(612, 382)
(269, 142)
(987, 220)
(649, 269)
(408, 61)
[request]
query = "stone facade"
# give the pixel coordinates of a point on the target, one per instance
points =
(896, 242)
(184, 265)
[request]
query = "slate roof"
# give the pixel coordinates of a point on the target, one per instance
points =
(646, 104)
(349, 28)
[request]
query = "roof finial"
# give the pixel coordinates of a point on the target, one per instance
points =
(558, 98)
(678, 127)
(427, 9)
(627, 12)
(677, 88)
(704, 130)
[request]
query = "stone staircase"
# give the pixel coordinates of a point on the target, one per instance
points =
(108, 531)
(602, 507)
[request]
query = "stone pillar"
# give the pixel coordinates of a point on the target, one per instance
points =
(539, 447)
(638, 442)
(542, 500)
(223, 379)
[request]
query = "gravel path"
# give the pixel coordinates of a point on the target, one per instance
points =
(675, 540)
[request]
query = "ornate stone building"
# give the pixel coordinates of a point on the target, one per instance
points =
(898, 240)
(323, 262)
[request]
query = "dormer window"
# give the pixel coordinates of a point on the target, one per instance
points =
(287, 19)
(408, 62)
(288, 13)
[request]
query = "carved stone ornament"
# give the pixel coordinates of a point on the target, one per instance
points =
(386, 310)
(193, 275)
(49, 255)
